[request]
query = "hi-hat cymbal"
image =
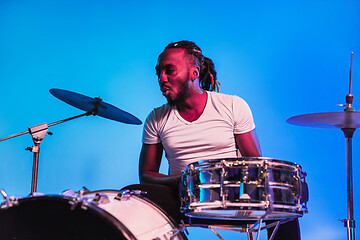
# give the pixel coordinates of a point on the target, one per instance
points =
(89, 104)
(346, 119)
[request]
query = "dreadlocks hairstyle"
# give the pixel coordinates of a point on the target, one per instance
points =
(208, 80)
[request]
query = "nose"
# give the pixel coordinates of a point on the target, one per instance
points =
(162, 78)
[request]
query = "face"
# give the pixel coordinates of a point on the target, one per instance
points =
(173, 71)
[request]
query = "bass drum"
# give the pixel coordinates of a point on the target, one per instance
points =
(100, 215)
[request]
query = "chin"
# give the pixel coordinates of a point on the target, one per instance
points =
(171, 101)
(177, 98)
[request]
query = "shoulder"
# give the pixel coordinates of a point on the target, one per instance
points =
(158, 113)
(229, 100)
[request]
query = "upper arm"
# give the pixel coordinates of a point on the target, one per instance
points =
(248, 144)
(150, 159)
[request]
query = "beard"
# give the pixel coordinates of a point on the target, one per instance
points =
(181, 94)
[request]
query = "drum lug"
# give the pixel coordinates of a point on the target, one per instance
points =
(71, 193)
(78, 201)
(262, 175)
(74, 203)
(265, 177)
(267, 201)
(99, 198)
(82, 191)
(303, 174)
(9, 202)
(126, 194)
(223, 193)
(190, 188)
(68, 193)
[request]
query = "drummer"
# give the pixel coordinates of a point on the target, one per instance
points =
(196, 124)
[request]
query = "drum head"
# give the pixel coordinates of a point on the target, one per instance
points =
(55, 217)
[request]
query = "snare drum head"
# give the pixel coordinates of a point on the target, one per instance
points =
(52, 217)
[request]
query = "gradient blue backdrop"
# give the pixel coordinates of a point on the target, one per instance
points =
(284, 58)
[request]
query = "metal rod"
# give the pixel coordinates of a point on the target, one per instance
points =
(350, 72)
(350, 223)
(71, 118)
(275, 230)
(49, 125)
(250, 235)
(216, 233)
(258, 233)
(12, 136)
(35, 169)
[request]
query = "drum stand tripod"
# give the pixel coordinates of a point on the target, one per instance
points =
(249, 229)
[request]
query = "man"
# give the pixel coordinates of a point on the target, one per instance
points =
(179, 79)
(196, 124)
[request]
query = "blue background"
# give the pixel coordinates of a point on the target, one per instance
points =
(285, 58)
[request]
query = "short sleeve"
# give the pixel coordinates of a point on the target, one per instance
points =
(243, 119)
(150, 133)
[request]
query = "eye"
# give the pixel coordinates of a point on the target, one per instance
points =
(158, 71)
(170, 70)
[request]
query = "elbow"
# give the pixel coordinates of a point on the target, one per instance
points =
(142, 178)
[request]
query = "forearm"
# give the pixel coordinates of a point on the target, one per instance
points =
(159, 178)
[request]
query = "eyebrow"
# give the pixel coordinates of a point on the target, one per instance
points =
(159, 67)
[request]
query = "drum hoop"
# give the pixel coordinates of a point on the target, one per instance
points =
(228, 162)
(262, 204)
(143, 198)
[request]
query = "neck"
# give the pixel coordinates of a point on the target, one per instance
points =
(193, 106)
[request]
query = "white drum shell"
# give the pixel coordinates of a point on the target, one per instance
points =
(141, 217)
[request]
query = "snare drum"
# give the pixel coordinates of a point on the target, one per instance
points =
(96, 215)
(243, 189)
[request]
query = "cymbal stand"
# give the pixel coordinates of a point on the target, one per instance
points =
(38, 133)
(349, 223)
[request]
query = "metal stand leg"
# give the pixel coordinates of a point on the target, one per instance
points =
(258, 233)
(38, 133)
(275, 230)
(36, 151)
(350, 222)
(250, 235)
(216, 233)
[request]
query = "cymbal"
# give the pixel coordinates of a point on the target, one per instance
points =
(346, 119)
(88, 104)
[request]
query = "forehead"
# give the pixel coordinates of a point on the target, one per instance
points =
(173, 56)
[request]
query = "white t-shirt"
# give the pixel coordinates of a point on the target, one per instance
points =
(211, 136)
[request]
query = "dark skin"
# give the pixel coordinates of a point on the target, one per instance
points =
(179, 82)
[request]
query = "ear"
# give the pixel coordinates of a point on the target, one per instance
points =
(195, 73)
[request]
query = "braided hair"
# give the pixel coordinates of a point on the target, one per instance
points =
(208, 80)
